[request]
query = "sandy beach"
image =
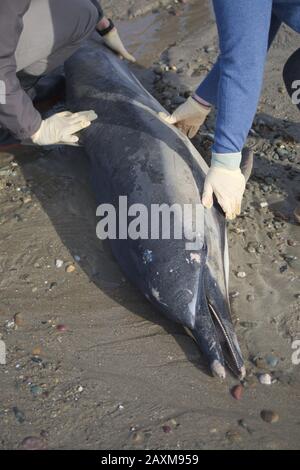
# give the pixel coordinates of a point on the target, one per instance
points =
(90, 363)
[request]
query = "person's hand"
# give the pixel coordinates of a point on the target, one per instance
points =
(228, 187)
(188, 117)
(111, 38)
(62, 127)
(114, 42)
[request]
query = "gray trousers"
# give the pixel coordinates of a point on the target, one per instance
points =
(53, 31)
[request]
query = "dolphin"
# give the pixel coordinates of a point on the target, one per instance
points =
(135, 155)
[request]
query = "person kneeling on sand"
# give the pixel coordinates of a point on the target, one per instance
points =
(246, 30)
(36, 37)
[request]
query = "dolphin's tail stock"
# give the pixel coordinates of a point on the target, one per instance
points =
(214, 331)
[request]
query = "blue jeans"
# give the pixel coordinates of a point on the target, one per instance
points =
(246, 29)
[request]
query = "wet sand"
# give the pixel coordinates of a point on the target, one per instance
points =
(90, 364)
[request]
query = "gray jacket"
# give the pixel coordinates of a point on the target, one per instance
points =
(17, 112)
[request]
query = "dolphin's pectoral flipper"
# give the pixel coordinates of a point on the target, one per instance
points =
(206, 336)
(220, 311)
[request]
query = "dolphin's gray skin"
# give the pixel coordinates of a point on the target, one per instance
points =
(134, 154)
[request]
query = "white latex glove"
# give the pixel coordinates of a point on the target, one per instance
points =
(188, 117)
(228, 186)
(61, 127)
(114, 42)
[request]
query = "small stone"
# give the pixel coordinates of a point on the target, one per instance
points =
(265, 379)
(36, 351)
(167, 429)
(269, 416)
(33, 443)
(18, 319)
(77, 258)
(260, 363)
(36, 390)
(251, 248)
(271, 360)
(37, 360)
(70, 268)
(61, 328)
(59, 263)
(241, 274)
(250, 297)
(137, 437)
(20, 416)
(233, 436)
(237, 392)
(263, 204)
(10, 324)
(234, 294)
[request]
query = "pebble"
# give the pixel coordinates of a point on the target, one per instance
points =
(70, 269)
(36, 390)
(59, 263)
(20, 416)
(260, 363)
(233, 436)
(167, 429)
(61, 328)
(271, 360)
(36, 351)
(18, 319)
(241, 274)
(27, 199)
(265, 379)
(269, 416)
(33, 443)
(250, 297)
(263, 204)
(234, 294)
(137, 437)
(37, 360)
(237, 392)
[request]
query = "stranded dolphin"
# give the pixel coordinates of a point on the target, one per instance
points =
(134, 154)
